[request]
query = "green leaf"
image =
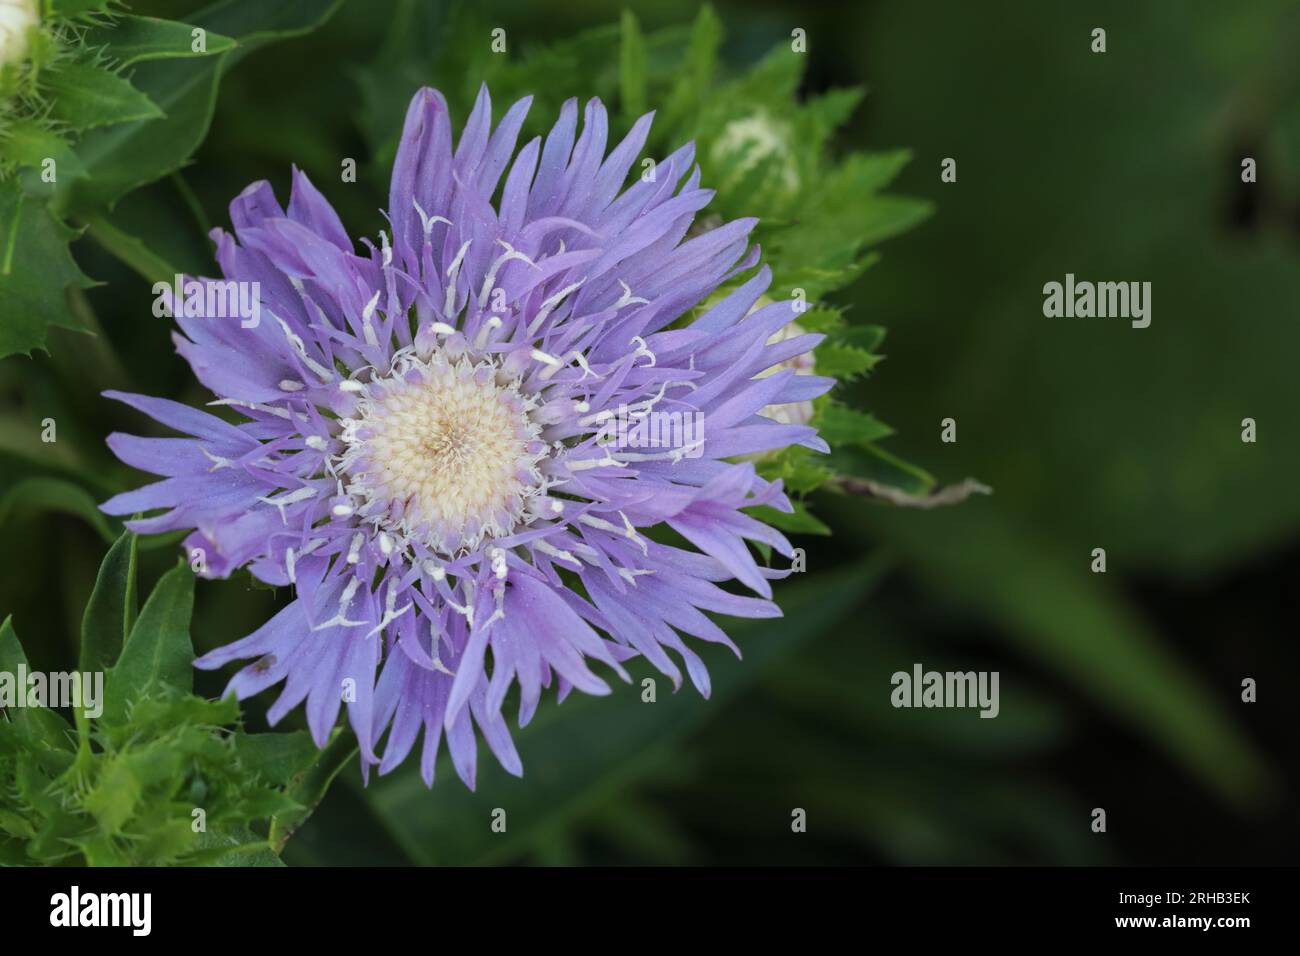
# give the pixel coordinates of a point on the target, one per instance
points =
(235, 848)
(38, 726)
(130, 250)
(841, 425)
(867, 337)
(111, 611)
(158, 653)
(309, 789)
(115, 797)
(799, 521)
(1057, 611)
(798, 468)
(873, 462)
(127, 155)
(77, 8)
(86, 96)
(35, 269)
(27, 143)
(632, 67)
(844, 362)
(132, 39)
(276, 758)
(35, 495)
(695, 75)
(578, 753)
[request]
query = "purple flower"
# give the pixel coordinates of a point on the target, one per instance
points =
(456, 441)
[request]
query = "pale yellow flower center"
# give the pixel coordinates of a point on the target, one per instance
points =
(445, 453)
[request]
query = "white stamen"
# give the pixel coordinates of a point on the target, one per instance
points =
(491, 277)
(480, 340)
(289, 498)
(427, 221)
(367, 329)
(217, 459)
(549, 305)
(453, 272)
(296, 341)
(390, 615)
(551, 360)
(558, 553)
(345, 599)
(628, 298)
(586, 464)
(438, 665)
(642, 349)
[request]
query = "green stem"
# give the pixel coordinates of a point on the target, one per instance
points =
(192, 202)
(130, 250)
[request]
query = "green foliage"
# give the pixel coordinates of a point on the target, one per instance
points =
(103, 103)
(160, 776)
(36, 268)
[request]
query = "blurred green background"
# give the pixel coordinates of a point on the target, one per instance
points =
(1119, 690)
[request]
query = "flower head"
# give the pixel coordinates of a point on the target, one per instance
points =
(17, 17)
(425, 452)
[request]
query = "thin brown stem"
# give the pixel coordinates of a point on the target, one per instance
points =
(939, 498)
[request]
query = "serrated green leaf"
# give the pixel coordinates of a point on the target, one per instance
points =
(86, 96)
(36, 268)
(867, 337)
(15, 825)
(841, 425)
(799, 469)
(27, 143)
(845, 362)
(158, 654)
(132, 39)
(115, 797)
(127, 155)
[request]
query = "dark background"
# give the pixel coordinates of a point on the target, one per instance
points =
(1119, 691)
